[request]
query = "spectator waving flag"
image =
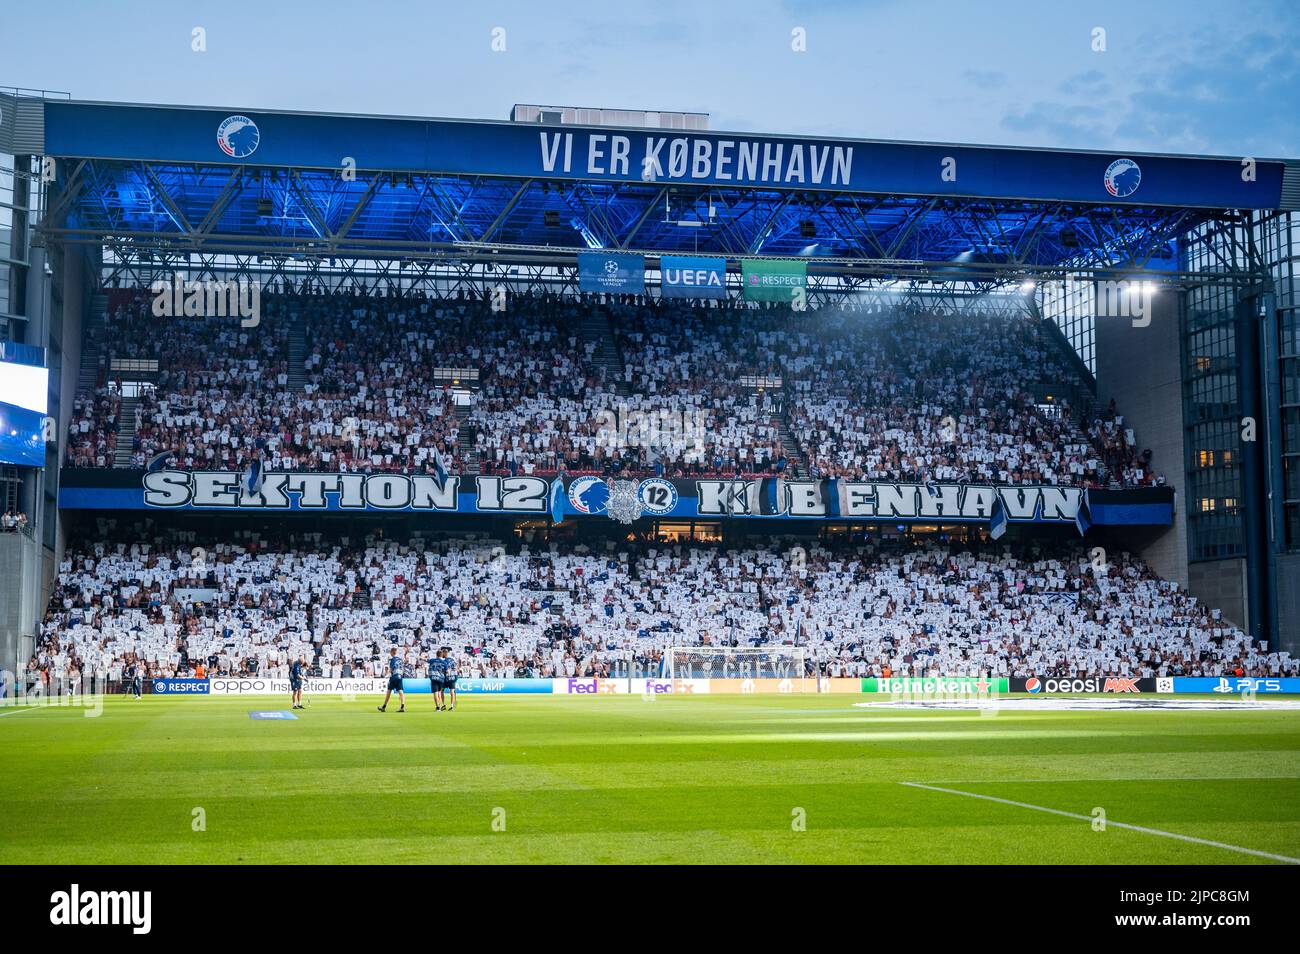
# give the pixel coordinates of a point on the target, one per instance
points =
(998, 519)
(1083, 516)
(557, 500)
(253, 477)
(158, 462)
(439, 468)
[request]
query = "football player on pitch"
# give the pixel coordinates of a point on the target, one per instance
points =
(435, 679)
(394, 682)
(448, 677)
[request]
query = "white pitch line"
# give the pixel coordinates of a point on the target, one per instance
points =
(1123, 778)
(1109, 823)
(16, 711)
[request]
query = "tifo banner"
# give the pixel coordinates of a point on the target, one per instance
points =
(181, 687)
(1227, 685)
(620, 273)
(692, 277)
(936, 685)
(1110, 684)
(769, 498)
(773, 279)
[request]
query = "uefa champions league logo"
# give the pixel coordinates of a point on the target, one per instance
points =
(611, 268)
(238, 137)
(1123, 176)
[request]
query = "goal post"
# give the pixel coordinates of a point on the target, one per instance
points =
(786, 663)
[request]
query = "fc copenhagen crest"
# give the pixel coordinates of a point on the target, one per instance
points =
(238, 137)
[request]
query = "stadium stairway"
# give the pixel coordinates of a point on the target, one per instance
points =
(466, 443)
(92, 343)
(126, 421)
(596, 329)
(298, 354)
(797, 465)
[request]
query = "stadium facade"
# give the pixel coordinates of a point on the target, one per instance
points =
(1168, 280)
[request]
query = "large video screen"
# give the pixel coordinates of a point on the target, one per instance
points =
(24, 391)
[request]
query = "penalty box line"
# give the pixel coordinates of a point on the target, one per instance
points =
(1109, 823)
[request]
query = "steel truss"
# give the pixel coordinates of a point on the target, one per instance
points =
(156, 217)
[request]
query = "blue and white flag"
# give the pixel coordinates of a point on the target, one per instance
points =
(835, 496)
(439, 468)
(998, 519)
(253, 477)
(1083, 516)
(558, 497)
(158, 462)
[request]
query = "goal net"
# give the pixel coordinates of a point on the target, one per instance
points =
(788, 663)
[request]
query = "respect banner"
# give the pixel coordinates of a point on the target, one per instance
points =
(180, 687)
(773, 279)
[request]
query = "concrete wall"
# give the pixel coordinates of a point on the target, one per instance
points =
(19, 581)
(1288, 602)
(1222, 584)
(1141, 368)
(77, 278)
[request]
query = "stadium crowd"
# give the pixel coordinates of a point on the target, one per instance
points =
(251, 605)
(898, 393)
(13, 521)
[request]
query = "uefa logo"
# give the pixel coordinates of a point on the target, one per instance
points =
(238, 137)
(1123, 176)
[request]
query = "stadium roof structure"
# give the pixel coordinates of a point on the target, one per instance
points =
(167, 183)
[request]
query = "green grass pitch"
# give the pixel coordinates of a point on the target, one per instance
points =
(622, 779)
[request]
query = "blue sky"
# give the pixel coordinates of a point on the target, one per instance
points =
(1190, 76)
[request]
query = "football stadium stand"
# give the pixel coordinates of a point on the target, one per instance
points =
(250, 605)
(860, 397)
